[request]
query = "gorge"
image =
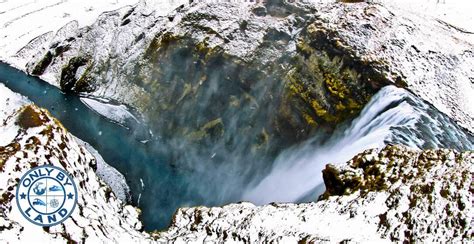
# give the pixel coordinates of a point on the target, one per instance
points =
(214, 104)
(393, 116)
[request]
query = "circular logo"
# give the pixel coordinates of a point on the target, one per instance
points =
(46, 195)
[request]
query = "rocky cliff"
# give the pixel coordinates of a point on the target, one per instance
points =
(128, 55)
(291, 69)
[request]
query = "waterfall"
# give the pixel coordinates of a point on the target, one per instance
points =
(392, 116)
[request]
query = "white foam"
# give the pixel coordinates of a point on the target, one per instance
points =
(297, 172)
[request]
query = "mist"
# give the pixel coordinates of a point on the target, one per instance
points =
(393, 116)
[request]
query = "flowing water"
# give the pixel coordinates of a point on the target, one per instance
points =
(159, 188)
(392, 116)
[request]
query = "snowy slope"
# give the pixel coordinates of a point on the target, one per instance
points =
(455, 12)
(99, 217)
(21, 21)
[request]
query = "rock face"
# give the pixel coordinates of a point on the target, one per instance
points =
(293, 48)
(395, 194)
(32, 137)
(234, 62)
(409, 50)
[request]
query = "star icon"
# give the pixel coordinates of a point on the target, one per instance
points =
(23, 195)
(70, 195)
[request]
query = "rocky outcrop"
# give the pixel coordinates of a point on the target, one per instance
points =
(236, 58)
(396, 194)
(32, 137)
(289, 69)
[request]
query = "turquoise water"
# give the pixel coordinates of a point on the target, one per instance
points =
(165, 188)
(392, 116)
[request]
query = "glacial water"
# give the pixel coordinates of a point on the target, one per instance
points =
(159, 187)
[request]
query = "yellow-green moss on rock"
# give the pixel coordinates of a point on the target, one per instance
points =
(326, 85)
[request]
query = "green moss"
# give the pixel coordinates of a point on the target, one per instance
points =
(309, 120)
(68, 73)
(213, 129)
(160, 42)
(41, 66)
(329, 91)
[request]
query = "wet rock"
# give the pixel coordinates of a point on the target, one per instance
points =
(30, 117)
(41, 66)
(70, 79)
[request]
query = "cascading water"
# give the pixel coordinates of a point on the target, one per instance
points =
(392, 116)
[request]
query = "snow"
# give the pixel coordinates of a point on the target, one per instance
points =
(35, 18)
(361, 215)
(116, 113)
(454, 12)
(23, 20)
(330, 219)
(355, 217)
(98, 213)
(9, 101)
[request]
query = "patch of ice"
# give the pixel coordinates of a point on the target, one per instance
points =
(116, 113)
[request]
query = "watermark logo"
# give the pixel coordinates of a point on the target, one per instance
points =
(46, 195)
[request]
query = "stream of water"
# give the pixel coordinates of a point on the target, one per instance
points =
(159, 188)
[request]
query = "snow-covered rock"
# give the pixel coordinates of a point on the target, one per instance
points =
(431, 57)
(112, 177)
(425, 53)
(22, 21)
(393, 195)
(32, 137)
